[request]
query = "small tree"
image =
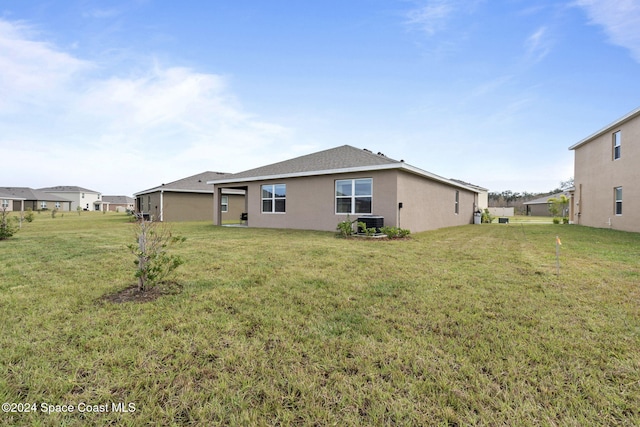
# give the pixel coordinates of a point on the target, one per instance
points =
(558, 206)
(29, 216)
(153, 261)
(553, 206)
(8, 226)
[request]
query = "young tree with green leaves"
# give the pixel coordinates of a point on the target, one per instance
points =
(8, 225)
(154, 262)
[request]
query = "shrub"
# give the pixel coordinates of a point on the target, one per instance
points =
(556, 220)
(362, 229)
(345, 228)
(8, 226)
(153, 261)
(487, 218)
(395, 232)
(29, 216)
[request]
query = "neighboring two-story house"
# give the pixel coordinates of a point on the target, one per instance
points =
(607, 176)
(87, 200)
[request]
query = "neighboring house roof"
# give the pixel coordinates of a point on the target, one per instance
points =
(477, 187)
(545, 200)
(6, 196)
(118, 200)
(27, 193)
(342, 159)
(607, 128)
(67, 189)
(192, 184)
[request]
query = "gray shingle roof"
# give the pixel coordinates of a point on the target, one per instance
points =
(192, 184)
(545, 200)
(344, 157)
(119, 200)
(31, 194)
(4, 195)
(67, 189)
(334, 160)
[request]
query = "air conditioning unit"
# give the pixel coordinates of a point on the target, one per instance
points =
(371, 221)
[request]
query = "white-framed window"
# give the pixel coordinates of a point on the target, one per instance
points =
(224, 202)
(43, 205)
(457, 203)
(354, 196)
(57, 205)
(83, 195)
(617, 143)
(5, 203)
(618, 200)
(274, 198)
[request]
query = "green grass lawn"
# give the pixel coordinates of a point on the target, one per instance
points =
(460, 326)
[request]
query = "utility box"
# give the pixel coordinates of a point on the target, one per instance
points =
(371, 221)
(503, 220)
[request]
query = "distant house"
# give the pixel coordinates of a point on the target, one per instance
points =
(540, 206)
(607, 176)
(189, 199)
(10, 202)
(27, 198)
(118, 203)
(87, 200)
(319, 190)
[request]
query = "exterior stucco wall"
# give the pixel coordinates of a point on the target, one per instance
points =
(310, 202)
(7, 204)
(428, 205)
(120, 207)
(182, 206)
(538, 210)
(597, 174)
(236, 208)
(85, 200)
(187, 206)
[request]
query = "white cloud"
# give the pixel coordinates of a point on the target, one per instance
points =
(538, 45)
(31, 69)
(120, 133)
(620, 20)
(433, 16)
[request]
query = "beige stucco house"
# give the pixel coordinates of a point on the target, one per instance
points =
(540, 206)
(25, 198)
(118, 203)
(319, 190)
(11, 202)
(607, 176)
(189, 199)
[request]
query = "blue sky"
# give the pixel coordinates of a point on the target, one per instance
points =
(120, 96)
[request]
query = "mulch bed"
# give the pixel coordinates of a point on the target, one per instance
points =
(132, 294)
